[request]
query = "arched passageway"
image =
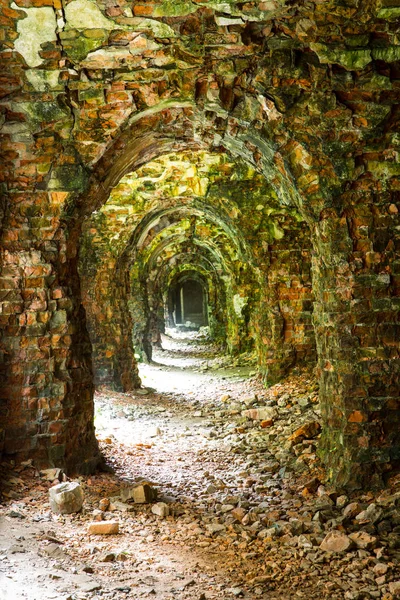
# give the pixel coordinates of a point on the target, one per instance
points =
(216, 226)
(288, 118)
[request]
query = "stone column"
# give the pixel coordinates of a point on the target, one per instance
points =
(356, 285)
(46, 394)
(106, 296)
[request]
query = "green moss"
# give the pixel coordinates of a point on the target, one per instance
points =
(175, 8)
(80, 47)
(390, 14)
(389, 54)
(384, 170)
(91, 93)
(69, 178)
(352, 60)
(43, 112)
(357, 41)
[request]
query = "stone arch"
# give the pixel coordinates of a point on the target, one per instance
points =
(322, 208)
(318, 100)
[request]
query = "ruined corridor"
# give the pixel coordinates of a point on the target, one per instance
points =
(226, 170)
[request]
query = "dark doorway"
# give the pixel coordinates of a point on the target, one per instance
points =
(190, 302)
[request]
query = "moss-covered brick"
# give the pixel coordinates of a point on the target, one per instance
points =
(353, 60)
(252, 147)
(68, 178)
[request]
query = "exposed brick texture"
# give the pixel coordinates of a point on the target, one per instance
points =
(305, 96)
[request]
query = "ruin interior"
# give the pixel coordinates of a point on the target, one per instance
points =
(227, 165)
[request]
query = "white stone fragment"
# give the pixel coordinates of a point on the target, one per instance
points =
(66, 497)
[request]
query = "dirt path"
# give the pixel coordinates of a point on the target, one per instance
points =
(247, 514)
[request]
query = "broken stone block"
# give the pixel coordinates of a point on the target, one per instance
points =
(306, 431)
(66, 498)
(140, 494)
(341, 501)
(238, 513)
(160, 509)
(51, 474)
(104, 504)
(373, 513)
(122, 556)
(262, 413)
(98, 515)
(120, 506)
(380, 569)
(394, 588)
(215, 528)
(104, 528)
(363, 540)
(107, 557)
(336, 541)
(351, 510)
(54, 551)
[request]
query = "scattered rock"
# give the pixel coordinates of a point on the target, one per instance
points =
(341, 501)
(107, 557)
(66, 497)
(262, 413)
(14, 514)
(54, 551)
(380, 569)
(215, 527)
(160, 509)
(312, 484)
(306, 431)
(104, 504)
(373, 514)
(239, 513)
(336, 541)
(103, 528)
(352, 510)
(363, 540)
(51, 474)
(120, 506)
(394, 588)
(140, 494)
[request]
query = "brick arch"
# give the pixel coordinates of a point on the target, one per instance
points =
(355, 435)
(351, 440)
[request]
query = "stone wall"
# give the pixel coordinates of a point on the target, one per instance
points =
(283, 320)
(305, 94)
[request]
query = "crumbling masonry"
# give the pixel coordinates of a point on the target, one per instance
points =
(250, 146)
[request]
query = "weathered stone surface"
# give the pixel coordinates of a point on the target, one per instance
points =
(309, 430)
(394, 588)
(373, 514)
(336, 541)
(140, 494)
(364, 540)
(352, 510)
(103, 528)
(160, 509)
(51, 474)
(66, 497)
(262, 413)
